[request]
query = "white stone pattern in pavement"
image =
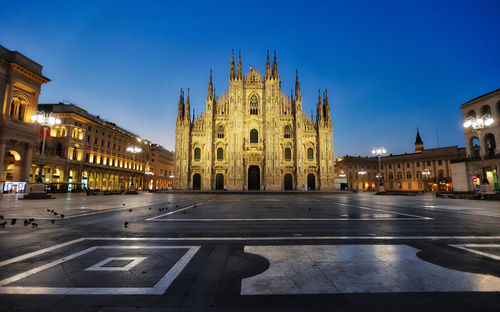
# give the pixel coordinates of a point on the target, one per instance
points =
(308, 269)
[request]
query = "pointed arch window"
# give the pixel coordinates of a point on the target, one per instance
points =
(310, 153)
(220, 132)
(254, 136)
(197, 153)
(288, 154)
(254, 105)
(287, 132)
(220, 153)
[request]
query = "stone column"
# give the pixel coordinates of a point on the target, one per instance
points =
(9, 95)
(3, 146)
(66, 174)
(27, 159)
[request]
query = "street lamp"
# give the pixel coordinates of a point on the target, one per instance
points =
(46, 120)
(134, 150)
(379, 151)
(478, 124)
(426, 173)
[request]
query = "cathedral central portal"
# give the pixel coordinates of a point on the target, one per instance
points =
(253, 178)
(254, 137)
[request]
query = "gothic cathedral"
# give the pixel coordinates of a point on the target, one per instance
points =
(254, 137)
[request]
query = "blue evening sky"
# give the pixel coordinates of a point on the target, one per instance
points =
(389, 66)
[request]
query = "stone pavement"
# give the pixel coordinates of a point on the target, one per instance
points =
(250, 252)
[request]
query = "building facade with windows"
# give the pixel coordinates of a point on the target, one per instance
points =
(87, 152)
(161, 171)
(426, 170)
(254, 137)
(468, 172)
(20, 85)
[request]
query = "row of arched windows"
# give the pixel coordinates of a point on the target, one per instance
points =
(288, 153)
(254, 134)
(489, 143)
(485, 110)
(220, 153)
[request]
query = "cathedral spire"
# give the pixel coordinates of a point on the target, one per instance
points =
(210, 86)
(240, 69)
(187, 112)
(232, 73)
(268, 67)
(297, 84)
(319, 113)
(326, 104)
(275, 67)
(180, 106)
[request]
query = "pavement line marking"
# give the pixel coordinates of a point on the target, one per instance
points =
(25, 274)
(175, 211)
(467, 247)
(284, 219)
(387, 211)
(39, 252)
(172, 274)
(42, 251)
(158, 289)
(13, 290)
(100, 265)
(456, 210)
(219, 238)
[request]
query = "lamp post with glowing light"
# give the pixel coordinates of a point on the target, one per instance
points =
(45, 120)
(134, 150)
(478, 124)
(426, 173)
(379, 151)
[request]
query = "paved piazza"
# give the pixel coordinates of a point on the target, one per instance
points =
(250, 252)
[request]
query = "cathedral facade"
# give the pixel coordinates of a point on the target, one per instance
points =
(254, 137)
